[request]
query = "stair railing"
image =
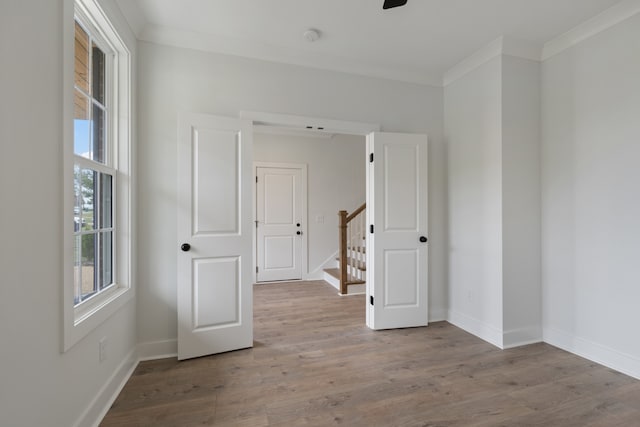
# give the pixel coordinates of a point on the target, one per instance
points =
(352, 232)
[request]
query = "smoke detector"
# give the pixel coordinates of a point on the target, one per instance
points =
(311, 35)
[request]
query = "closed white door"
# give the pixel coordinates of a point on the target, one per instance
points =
(279, 223)
(214, 248)
(397, 257)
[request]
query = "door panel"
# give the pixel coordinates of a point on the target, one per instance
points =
(397, 209)
(280, 228)
(214, 218)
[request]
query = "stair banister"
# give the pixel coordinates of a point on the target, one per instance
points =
(350, 238)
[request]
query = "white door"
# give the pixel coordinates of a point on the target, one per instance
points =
(215, 234)
(279, 223)
(397, 288)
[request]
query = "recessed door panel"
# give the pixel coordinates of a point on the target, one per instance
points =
(216, 190)
(401, 187)
(279, 252)
(279, 199)
(216, 292)
(400, 278)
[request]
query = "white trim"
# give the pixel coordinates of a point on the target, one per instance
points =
(437, 315)
(318, 273)
(74, 327)
(522, 336)
(153, 350)
(501, 46)
(301, 122)
(472, 62)
(232, 46)
(305, 201)
(607, 356)
(605, 20)
(476, 327)
(99, 406)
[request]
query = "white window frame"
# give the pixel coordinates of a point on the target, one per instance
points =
(79, 320)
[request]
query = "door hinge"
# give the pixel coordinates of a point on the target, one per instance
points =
(371, 299)
(256, 268)
(371, 228)
(371, 158)
(256, 179)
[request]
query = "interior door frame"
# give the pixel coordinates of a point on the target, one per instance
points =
(294, 122)
(305, 219)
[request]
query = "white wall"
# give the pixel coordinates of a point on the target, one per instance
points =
(522, 292)
(39, 385)
(335, 180)
(492, 129)
(173, 79)
(591, 197)
(473, 120)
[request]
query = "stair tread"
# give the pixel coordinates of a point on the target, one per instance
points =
(335, 272)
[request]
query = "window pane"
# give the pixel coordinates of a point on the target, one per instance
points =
(105, 207)
(77, 196)
(81, 125)
(82, 59)
(86, 184)
(77, 269)
(106, 256)
(98, 133)
(97, 73)
(88, 260)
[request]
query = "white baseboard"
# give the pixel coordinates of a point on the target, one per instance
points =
(157, 350)
(476, 327)
(523, 336)
(595, 352)
(318, 272)
(99, 406)
(437, 315)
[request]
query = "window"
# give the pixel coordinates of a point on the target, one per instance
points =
(97, 213)
(94, 172)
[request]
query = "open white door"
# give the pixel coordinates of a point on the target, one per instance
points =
(397, 285)
(215, 307)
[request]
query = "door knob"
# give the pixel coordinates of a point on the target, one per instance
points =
(185, 247)
(298, 232)
(423, 239)
(298, 225)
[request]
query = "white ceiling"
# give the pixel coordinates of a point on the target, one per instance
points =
(418, 42)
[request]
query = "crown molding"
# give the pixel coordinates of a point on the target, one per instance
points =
(501, 46)
(605, 20)
(235, 47)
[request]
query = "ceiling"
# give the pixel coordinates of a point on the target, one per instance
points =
(418, 42)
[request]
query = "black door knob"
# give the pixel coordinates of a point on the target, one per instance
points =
(298, 233)
(185, 247)
(423, 239)
(298, 225)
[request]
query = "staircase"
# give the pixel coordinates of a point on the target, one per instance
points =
(349, 277)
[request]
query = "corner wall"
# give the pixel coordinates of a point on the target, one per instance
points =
(492, 134)
(591, 197)
(40, 385)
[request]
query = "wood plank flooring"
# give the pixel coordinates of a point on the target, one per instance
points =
(315, 363)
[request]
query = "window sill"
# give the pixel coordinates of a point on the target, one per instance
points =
(87, 316)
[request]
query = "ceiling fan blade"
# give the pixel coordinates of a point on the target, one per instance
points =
(388, 4)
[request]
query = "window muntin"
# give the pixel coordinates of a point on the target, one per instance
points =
(94, 172)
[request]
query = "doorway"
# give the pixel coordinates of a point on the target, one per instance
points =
(281, 205)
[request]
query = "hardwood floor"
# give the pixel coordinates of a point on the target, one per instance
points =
(315, 363)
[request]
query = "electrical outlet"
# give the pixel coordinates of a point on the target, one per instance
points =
(102, 349)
